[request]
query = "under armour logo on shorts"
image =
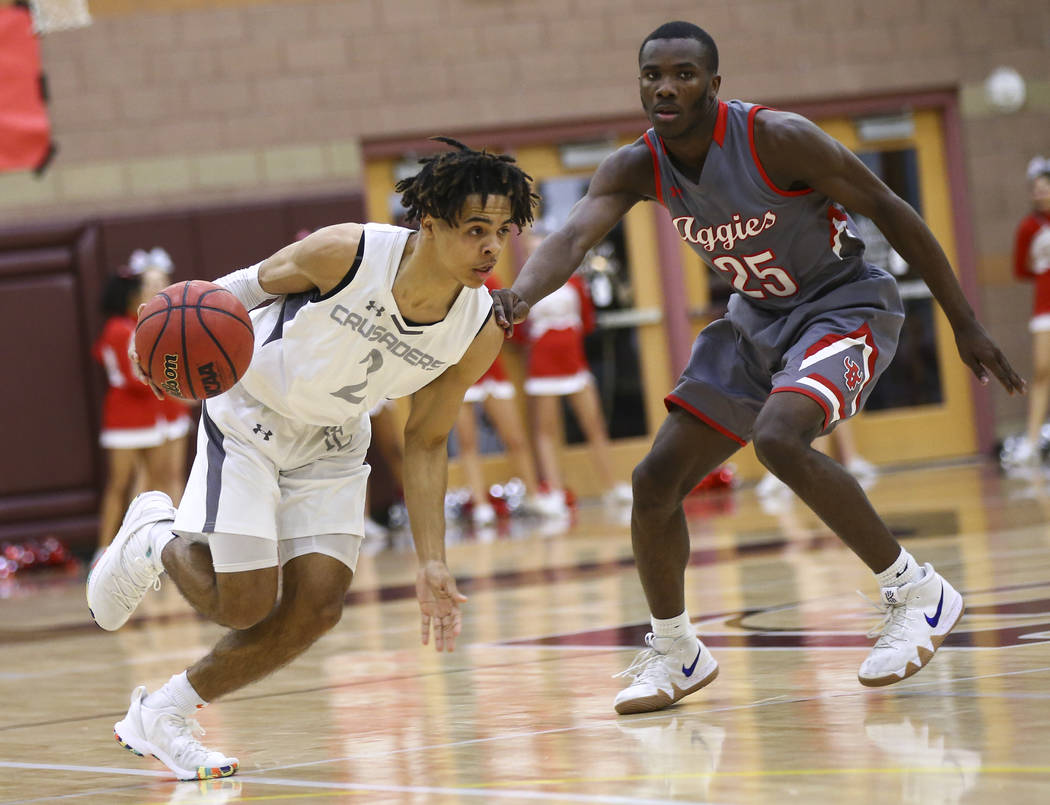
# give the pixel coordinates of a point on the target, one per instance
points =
(266, 434)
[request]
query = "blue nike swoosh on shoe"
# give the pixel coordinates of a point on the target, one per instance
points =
(936, 615)
(689, 671)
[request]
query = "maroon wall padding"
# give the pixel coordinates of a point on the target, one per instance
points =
(48, 467)
(25, 132)
(51, 469)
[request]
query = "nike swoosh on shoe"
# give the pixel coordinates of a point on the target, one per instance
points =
(689, 671)
(936, 615)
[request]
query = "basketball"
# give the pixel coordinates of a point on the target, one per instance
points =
(194, 340)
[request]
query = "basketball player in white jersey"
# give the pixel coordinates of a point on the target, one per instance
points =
(762, 196)
(359, 313)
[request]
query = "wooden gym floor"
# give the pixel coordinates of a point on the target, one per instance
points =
(522, 711)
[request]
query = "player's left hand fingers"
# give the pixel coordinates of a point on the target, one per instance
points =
(993, 361)
(447, 632)
(1007, 376)
(425, 629)
(502, 312)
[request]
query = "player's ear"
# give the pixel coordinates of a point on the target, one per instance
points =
(426, 224)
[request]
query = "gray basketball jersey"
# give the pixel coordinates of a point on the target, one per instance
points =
(327, 359)
(777, 248)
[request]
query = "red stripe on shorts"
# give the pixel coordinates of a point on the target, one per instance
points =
(671, 399)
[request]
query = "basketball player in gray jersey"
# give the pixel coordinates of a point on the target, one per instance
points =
(761, 196)
(275, 499)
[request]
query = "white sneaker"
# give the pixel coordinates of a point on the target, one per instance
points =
(862, 469)
(483, 514)
(662, 677)
(619, 495)
(170, 738)
(121, 576)
(375, 531)
(917, 618)
(547, 504)
(771, 486)
(1018, 453)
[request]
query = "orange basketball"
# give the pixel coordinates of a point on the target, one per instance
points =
(194, 340)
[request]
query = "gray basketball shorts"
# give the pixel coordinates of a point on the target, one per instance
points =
(260, 474)
(831, 349)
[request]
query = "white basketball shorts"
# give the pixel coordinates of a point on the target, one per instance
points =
(260, 474)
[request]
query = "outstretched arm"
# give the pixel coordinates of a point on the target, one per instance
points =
(795, 152)
(434, 411)
(623, 179)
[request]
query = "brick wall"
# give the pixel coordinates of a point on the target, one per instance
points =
(163, 102)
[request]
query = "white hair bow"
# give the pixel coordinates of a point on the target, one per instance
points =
(141, 260)
(1037, 167)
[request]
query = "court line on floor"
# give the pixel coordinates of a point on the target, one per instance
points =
(706, 556)
(257, 776)
(776, 700)
(253, 777)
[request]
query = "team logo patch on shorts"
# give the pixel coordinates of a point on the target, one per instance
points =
(853, 375)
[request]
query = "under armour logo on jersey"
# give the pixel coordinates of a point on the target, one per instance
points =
(853, 376)
(676, 192)
(373, 306)
(266, 434)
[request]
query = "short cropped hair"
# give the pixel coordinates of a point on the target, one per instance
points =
(446, 180)
(686, 30)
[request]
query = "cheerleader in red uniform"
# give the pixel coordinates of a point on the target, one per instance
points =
(558, 368)
(1032, 262)
(495, 391)
(134, 428)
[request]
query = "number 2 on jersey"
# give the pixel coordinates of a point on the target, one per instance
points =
(771, 280)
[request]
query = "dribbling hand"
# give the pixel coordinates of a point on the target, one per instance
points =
(439, 602)
(509, 309)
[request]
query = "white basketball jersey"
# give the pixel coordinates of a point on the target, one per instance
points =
(327, 359)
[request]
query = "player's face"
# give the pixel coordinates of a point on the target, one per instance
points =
(678, 92)
(470, 249)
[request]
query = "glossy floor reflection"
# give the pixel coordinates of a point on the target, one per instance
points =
(522, 712)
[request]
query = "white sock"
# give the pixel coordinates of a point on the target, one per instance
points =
(177, 695)
(904, 571)
(667, 630)
(160, 534)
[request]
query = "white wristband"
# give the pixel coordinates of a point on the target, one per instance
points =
(244, 284)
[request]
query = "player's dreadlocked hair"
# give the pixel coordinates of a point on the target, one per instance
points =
(442, 186)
